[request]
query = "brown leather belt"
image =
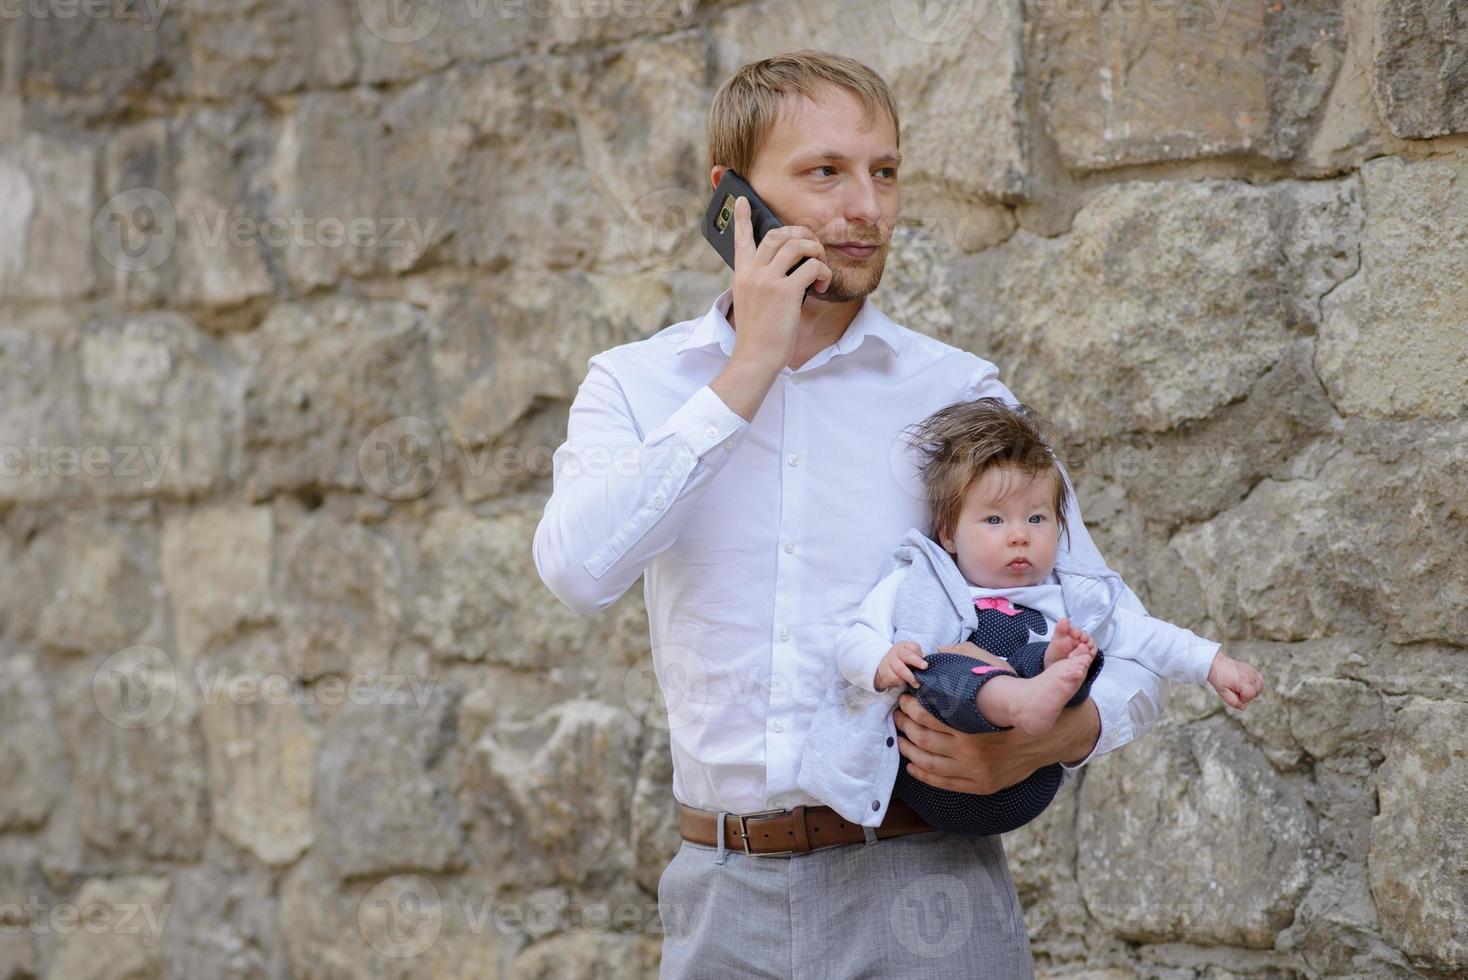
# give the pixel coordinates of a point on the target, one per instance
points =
(796, 831)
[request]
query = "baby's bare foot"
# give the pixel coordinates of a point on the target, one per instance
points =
(1035, 709)
(1063, 643)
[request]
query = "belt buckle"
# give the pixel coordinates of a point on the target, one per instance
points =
(744, 832)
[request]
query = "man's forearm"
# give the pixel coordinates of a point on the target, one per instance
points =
(1077, 729)
(743, 385)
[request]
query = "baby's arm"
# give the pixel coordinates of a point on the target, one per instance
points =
(867, 637)
(1236, 682)
(1181, 655)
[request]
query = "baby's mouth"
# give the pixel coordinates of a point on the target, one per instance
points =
(1020, 564)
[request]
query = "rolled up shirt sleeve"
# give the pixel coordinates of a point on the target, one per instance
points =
(619, 498)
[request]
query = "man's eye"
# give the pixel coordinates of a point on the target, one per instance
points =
(830, 168)
(889, 171)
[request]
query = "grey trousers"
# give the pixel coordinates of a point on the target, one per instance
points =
(933, 906)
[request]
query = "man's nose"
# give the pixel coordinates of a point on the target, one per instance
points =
(862, 203)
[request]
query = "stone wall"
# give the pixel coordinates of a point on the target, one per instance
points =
(293, 300)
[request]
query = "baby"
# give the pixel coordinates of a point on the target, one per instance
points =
(997, 507)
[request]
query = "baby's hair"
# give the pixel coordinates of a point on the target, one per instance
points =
(961, 442)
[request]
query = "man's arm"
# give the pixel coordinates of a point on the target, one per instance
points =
(987, 762)
(618, 499)
(1127, 695)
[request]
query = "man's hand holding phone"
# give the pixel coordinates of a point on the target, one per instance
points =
(767, 293)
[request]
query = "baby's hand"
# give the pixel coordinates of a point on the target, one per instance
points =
(894, 669)
(1235, 681)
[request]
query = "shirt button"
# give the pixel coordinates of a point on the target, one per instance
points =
(876, 804)
(658, 502)
(795, 379)
(794, 460)
(889, 741)
(784, 633)
(777, 725)
(789, 547)
(711, 431)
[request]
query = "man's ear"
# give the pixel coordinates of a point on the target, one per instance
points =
(716, 175)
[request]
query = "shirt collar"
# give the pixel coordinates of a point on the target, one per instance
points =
(713, 329)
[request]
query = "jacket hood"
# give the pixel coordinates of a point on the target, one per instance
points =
(1090, 592)
(918, 547)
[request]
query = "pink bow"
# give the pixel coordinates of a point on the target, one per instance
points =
(996, 602)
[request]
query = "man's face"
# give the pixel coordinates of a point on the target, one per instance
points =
(825, 168)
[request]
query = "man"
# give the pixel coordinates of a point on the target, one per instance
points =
(744, 464)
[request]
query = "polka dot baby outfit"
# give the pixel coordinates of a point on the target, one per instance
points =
(949, 686)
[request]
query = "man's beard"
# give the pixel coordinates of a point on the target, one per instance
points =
(853, 281)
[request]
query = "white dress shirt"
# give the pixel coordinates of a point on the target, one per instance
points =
(757, 541)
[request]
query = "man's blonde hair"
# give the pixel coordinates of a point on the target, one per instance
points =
(958, 444)
(747, 105)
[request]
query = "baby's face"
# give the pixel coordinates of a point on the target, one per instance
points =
(1007, 533)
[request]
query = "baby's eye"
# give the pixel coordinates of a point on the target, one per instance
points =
(993, 519)
(1036, 518)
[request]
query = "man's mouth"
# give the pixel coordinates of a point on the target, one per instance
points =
(854, 250)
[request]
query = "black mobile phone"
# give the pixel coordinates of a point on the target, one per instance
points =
(718, 218)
